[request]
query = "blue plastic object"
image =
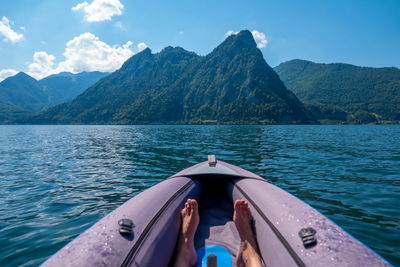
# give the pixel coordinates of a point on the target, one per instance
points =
(224, 258)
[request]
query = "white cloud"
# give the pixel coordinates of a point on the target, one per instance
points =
(80, 6)
(100, 10)
(141, 47)
(43, 65)
(85, 52)
(5, 73)
(9, 34)
(229, 33)
(259, 37)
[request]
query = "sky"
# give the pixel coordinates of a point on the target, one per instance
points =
(44, 37)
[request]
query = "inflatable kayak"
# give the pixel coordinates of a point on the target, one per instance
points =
(144, 230)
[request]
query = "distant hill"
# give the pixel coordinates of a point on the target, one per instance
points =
(65, 86)
(21, 94)
(344, 92)
(232, 84)
(22, 91)
(9, 113)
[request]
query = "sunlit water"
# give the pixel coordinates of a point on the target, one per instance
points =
(56, 181)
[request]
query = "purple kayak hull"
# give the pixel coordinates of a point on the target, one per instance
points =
(278, 216)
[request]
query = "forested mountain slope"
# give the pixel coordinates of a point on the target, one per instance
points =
(232, 84)
(21, 94)
(365, 94)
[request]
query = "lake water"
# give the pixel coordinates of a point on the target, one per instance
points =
(56, 181)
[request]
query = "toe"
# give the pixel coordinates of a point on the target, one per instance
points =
(190, 209)
(194, 204)
(246, 208)
(238, 205)
(242, 206)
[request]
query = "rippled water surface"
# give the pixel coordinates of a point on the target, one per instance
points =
(56, 181)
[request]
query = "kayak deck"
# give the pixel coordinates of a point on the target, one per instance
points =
(280, 222)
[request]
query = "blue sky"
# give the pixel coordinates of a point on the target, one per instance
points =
(42, 37)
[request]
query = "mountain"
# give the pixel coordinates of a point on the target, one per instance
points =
(344, 92)
(232, 84)
(65, 86)
(21, 94)
(10, 113)
(22, 91)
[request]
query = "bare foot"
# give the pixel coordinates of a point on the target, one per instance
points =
(247, 256)
(186, 253)
(248, 253)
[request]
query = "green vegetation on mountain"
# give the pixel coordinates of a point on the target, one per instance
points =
(9, 113)
(22, 91)
(22, 94)
(232, 84)
(65, 86)
(343, 92)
